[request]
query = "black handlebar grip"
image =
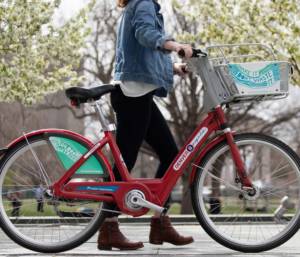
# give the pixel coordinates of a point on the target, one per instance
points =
(181, 53)
(185, 69)
(196, 53)
(199, 53)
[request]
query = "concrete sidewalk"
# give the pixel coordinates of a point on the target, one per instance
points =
(203, 245)
(178, 219)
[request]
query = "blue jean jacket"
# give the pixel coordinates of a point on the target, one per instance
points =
(139, 55)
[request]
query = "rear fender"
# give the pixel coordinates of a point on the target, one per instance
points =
(3, 151)
(202, 154)
(68, 134)
(45, 131)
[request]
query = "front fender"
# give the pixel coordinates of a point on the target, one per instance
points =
(202, 154)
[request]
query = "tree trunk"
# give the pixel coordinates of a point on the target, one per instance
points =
(186, 202)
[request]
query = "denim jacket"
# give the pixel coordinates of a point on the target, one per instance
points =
(140, 55)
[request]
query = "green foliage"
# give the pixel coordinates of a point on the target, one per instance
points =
(276, 23)
(37, 57)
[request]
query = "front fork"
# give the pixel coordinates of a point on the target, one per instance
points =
(236, 156)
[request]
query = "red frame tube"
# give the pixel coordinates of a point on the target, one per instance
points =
(160, 188)
(233, 149)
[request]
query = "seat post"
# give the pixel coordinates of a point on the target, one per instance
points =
(106, 126)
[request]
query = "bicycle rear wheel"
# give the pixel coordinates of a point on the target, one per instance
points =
(237, 220)
(29, 215)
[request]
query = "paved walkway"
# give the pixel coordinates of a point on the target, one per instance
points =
(203, 246)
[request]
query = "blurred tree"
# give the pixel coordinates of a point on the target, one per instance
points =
(101, 44)
(37, 57)
(275, 23)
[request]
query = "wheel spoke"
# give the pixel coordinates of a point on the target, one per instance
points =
(51, 223)
(241, 218)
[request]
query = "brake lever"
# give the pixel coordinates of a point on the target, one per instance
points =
(199, 53)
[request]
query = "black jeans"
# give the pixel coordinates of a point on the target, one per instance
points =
(138, 119)
(16, 204)
(40, 205)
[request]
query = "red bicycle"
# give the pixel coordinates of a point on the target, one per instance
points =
(244, 187)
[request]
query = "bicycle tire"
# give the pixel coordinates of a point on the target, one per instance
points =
(203, 213)
(8, 227)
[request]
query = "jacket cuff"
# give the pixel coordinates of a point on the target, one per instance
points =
(161, 42)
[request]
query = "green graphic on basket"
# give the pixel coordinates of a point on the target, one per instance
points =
(69, 152)
(265, 77)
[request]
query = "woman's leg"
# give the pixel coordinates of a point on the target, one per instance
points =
(160, 138)
(133, 118)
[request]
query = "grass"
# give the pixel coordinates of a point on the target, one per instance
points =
(175, 208)
(29, 208)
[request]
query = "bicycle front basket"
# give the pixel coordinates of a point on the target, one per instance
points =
(248, 81)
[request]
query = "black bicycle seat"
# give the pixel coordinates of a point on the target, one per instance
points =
(80, 95)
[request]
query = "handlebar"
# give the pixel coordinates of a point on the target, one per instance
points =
(196, 53)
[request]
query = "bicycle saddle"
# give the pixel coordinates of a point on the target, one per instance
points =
(80, 95)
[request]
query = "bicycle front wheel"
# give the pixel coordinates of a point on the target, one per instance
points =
(239, 220)
(29, 214)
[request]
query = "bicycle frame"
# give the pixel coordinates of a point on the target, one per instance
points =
(156, 191)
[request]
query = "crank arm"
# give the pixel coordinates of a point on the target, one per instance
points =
(144, 203)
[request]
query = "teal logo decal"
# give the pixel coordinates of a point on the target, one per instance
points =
(69, 151)
(265, 77)
(98, 188)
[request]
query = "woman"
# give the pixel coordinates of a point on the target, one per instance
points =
(144, 67)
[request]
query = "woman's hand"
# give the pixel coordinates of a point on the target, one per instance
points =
(180, 69)
(176, 47)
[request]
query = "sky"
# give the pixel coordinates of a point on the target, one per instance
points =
(69, 7)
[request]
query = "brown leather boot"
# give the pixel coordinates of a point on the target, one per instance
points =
(163, 231)
(110, 236)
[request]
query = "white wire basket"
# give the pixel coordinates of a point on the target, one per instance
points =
(252, 78)
(255, 80)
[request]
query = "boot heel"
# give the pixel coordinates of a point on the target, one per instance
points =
(156, 242)
(105, 248)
